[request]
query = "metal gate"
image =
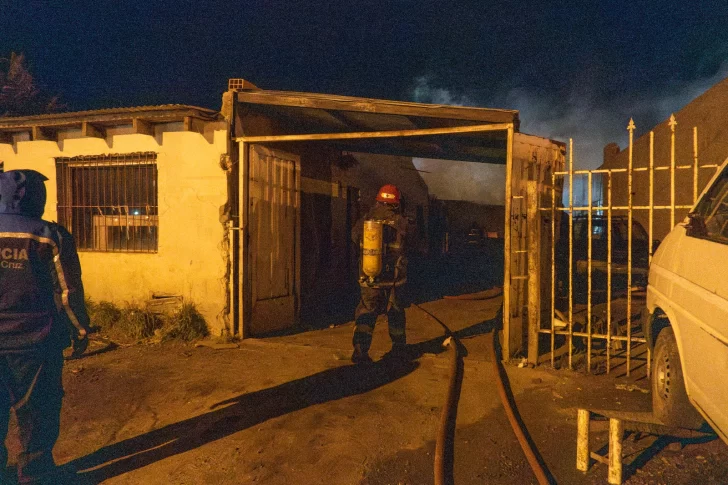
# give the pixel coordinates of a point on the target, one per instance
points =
(601, 250)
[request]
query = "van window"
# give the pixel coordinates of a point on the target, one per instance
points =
(713, 209)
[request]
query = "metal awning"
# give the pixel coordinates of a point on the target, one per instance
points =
(375, 125)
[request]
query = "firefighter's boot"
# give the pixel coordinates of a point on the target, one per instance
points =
(360, 356)
(398, 352)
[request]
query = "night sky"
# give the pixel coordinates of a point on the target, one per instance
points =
(574, 69)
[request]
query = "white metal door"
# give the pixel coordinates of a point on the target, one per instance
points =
(274, 239)
(700, 297)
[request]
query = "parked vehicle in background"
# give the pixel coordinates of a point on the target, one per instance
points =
(600, 249)
(686, 318)
(474, 236)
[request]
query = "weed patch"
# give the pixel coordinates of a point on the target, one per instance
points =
(185, 324)
(137, 322)
(103, 315)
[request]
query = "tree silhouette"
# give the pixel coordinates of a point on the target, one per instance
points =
(20, 94)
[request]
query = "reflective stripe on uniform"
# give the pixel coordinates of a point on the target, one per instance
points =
(59, 270)
(364, 328)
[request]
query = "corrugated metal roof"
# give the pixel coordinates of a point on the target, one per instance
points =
(371, 105)
(109, 115)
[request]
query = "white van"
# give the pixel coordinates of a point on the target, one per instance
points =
(686, 319)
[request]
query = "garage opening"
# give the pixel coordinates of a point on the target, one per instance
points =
(284, 147)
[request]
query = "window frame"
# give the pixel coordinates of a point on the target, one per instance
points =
(706, 206)
(110, 203)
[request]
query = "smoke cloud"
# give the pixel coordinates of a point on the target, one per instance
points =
(590, 122)
(453, 180)
(474, 182)
(593, 123)
(424, 92)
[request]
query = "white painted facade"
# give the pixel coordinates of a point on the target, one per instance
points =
(191, 258)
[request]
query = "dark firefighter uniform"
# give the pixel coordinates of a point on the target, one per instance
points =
(384, 294)
(40, 293)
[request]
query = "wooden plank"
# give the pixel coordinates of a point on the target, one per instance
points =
(507, 347)
(375, 134)
(345, 103)
(142, 127)
(582, 440)
(295, 179)
(533, 230)
(245, 287)
(413, 147)
(616, 432)
(597, 457)
(91, 130)
(643, 422)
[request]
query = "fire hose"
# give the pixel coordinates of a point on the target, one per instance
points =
(444, 444)
(446, 432)
(519, 428)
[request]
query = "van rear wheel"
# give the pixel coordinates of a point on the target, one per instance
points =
(670, 403)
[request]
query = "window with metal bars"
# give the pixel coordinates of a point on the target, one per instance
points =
(109, 202)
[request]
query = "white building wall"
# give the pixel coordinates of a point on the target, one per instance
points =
(191, 259)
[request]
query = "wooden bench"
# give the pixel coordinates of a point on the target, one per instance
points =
(619, 421)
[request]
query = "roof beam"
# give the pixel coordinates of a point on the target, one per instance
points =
(6, 137)
(352, 121)
(142, 127)
(376, 134)
(42, 133)
(404, 148)
(91, 130)
(345, 103)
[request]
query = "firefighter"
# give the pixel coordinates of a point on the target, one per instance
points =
(40, 292)
(382, 273)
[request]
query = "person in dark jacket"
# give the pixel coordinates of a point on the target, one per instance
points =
(382, 294)
(42, 311)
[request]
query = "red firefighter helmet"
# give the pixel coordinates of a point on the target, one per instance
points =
(389, 194)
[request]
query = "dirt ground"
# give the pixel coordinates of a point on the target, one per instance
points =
(292, 409)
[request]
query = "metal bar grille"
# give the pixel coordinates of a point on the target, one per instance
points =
(601, 259)
(110, 202)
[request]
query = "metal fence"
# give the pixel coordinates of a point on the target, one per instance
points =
(594, 288)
